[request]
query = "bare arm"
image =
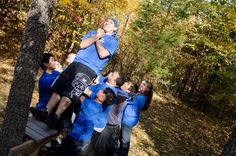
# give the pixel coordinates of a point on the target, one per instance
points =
(88, 92)
(102, 52)
(87, 42)
(81, 98)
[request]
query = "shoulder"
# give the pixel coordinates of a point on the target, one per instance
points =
(114, 89)
(102, 79)
(119, 91)
(140, 98)
(86, 100)
(111, 38)
(100, 85)
(55, 72)
(44, 74)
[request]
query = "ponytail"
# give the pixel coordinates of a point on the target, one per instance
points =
(149, 95)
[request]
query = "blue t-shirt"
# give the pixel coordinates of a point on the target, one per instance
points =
(113, 113)
(82, 128)
(103, 116)
(132, 110)
(45, 82)
(95, 89)
(102, 79)
(89, 56)
(102, 119)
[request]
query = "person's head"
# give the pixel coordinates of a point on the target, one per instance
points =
(110, 25)
(130, 87)
(59, 66)
(70, 58)
(106, 96)
(48, 62)
(146, 89)
(115, 79)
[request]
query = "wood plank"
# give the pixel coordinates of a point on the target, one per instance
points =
(22, 149)
(41, 125)
(33, 120)
(37, 130)
(40, 134)
(29, 148)
(33, 134)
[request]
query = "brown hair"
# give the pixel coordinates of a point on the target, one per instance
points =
(45, 59)
(149, 94)
(110, 96)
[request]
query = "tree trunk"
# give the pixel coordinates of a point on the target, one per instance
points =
(166, 17)
(202, 98)
(229, 148)
(222, 106)
(193, 86)
(31, 51)
(124, 28)
(185, 80)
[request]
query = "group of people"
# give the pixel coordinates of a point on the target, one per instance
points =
(102, 104)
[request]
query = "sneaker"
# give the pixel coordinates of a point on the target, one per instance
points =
(54, 123)
(39, 113)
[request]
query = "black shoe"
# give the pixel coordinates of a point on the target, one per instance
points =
(39, 113)
(54, 123)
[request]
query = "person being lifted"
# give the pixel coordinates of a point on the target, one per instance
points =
(97, 47)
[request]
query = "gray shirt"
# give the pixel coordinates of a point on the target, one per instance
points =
(116, 113)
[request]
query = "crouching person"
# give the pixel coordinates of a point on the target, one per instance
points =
(48, 65)
(79, 136)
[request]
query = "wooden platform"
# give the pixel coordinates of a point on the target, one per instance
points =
(38, 130)
(38, 133)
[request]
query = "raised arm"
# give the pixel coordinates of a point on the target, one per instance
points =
(88, 41)
(87, 92)
(102, 52)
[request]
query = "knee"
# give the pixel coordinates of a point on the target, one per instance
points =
(125, 145)
(56, 97)
(125, 142)
(126, 139)
(65, 102)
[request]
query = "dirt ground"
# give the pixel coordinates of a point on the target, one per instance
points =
(168, 128)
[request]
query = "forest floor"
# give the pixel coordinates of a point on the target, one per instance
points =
(168, 128)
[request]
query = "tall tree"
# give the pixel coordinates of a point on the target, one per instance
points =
(211, 45)
(153, 36)
(230, 146)
(31, 51)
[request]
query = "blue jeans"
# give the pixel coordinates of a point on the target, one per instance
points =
(125, 140)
